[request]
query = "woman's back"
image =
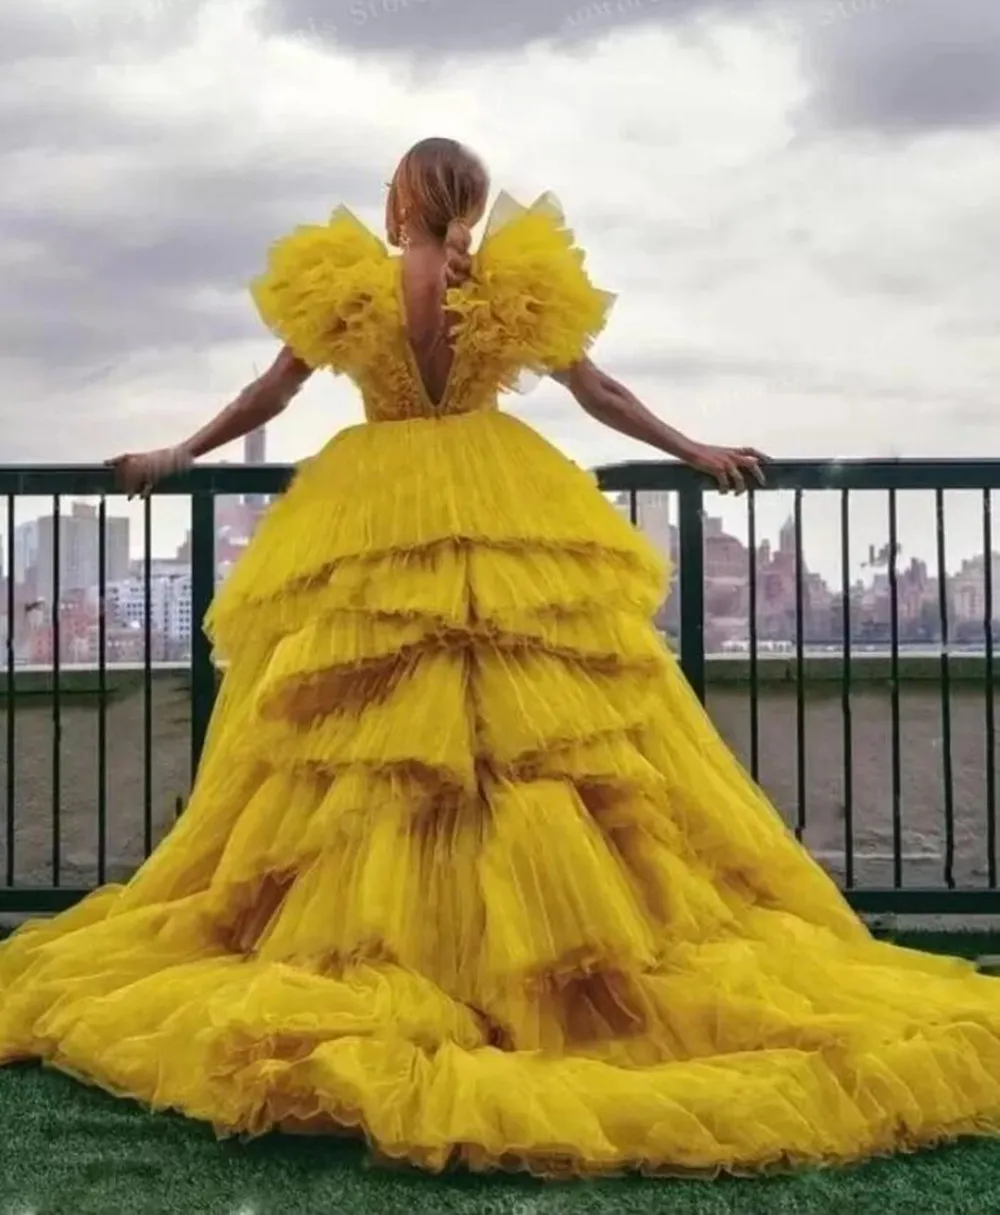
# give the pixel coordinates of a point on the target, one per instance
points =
(426, 322)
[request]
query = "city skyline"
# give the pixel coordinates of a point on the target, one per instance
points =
(821, 515)
(166, 601)
(916, 524)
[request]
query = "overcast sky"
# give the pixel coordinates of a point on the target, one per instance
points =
(799, 205)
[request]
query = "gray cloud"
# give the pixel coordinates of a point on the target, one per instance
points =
(37, 33)
(158, 254)
(892, 66)
(99, 291)
(682, 367)
(435, 27)
(30, 34)
(900, 67)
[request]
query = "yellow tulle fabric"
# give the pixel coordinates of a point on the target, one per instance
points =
(466, 866)
(324, 291)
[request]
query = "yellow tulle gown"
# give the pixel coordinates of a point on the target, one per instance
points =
(466, 867)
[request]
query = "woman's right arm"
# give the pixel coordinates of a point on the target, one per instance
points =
(260, 402)
(609, 402)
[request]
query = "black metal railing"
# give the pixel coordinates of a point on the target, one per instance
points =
(971, 666)
(967, 882)
(50, 487)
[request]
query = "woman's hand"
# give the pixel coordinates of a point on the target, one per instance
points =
(727, 465)
(138, 472)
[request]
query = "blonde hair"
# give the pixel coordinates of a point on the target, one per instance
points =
(440, 187)
(457, 253)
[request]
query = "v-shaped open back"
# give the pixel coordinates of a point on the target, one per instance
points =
(432, 377)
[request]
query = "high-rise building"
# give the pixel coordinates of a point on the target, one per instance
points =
(654, 519)
(255, 446)
(255, 454)
(169, 603)
(78, 538)
(25, 550)
(653, 516)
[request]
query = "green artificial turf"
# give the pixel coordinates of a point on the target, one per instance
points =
(69, 1150)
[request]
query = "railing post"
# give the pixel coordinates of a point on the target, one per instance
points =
(202, 591)
(691, 545)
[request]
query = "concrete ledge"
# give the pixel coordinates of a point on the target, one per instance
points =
(776, 671)
(81, 683)
(865, 668)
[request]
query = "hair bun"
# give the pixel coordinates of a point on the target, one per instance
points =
(457, 258)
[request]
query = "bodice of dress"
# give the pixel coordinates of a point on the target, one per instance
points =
(389, 378)
(333, 293)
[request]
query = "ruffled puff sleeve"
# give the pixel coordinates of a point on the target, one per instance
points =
(323, 290)
(531, 305)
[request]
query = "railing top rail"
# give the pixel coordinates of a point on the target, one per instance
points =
(901, 474)
(643, 475)
(89, 480)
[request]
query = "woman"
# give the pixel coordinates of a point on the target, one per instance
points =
(466, 866)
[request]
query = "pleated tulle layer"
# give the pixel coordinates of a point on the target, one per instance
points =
(482, 511)
(467, 867)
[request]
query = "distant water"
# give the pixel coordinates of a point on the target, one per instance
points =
(787, 650)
